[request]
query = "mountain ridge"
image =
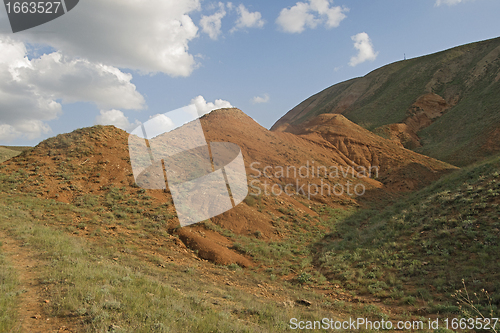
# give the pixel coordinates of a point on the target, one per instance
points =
(459, 128)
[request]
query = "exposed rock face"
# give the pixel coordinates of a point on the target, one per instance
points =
(445, 105)
(421, 114)
(399, 169)
(425, 110)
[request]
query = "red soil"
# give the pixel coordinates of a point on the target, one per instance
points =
(90, 161)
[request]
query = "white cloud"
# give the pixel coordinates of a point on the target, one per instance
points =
(30, 129)
(247, 19)
(8, 133)
(310, 14)
(260, 99)
(334, 15)
(295, 19)
(161, 124)
(31, 91)
(75, 80)
(149, 36)
(115, 118)
(212, 24)
(363, 44)
(448, 2)
(203, 107)
(165, 121)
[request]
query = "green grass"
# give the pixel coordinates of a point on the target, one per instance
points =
(290, 255)
(9, 291)
(7, 153)
(455, 138)
(419, 250)
(382, 255)
(107, 282)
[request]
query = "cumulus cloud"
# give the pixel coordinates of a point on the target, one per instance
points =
(75, 80)
(297, 18)
(260, 99)
(30, 129)
(8, 132)
(115, 118)
(149, 36)
(309, 15)
(363, 44)
(212, 24)
(333, 15)
(160, 125)
(447, 2)
(32, 91)
(247, 19)
(203, 107)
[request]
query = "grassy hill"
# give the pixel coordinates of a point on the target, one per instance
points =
(419, 250)
(466, 78)
(7, 152)
(83, 246)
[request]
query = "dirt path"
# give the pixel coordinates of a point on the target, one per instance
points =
(33, 302)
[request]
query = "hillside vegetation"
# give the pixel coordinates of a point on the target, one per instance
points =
(450, 100)
(419, 250)
(9, 152)
(86, 248)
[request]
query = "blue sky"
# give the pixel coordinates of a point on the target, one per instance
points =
(130, 62)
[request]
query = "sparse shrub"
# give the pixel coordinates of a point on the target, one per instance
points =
(303, 278)
(397, 294)
(250, 200)
(112, 305)
(233, 267)
(240, 248)
(424, 294)
(476, 305)
(97, 232)
(282, 210)
(190, 270)
(410, 300)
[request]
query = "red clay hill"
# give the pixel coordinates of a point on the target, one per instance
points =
(93, 164)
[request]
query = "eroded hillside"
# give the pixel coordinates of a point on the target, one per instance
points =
(444, 105)
(72, 201)
(91, 167)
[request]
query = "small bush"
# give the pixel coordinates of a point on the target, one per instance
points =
(410, 300)
(250, 200)
(303, 278)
